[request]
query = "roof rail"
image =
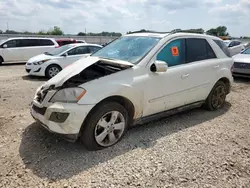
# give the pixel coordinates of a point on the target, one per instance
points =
(148, 31)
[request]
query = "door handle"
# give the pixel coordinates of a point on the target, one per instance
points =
(185, 76)
(216, 66)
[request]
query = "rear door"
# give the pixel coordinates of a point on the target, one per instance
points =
(46, 45)
(201, 66)
(30, 48)
(74, 55)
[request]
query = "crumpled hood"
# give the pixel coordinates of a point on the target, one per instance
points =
(40, 57)
(243, 58)
(77, 67)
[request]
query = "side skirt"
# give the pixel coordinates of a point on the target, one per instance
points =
(167, 113)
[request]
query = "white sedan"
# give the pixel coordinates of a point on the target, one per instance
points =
(241, 66)
(50, 63)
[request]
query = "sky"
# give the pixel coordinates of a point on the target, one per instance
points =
(73, 16)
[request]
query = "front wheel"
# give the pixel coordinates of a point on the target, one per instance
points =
(217, 97)
(52, 70)
(105, 126)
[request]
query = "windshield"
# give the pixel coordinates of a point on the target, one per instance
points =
(59, 50)
(247, 51)
(128, 48)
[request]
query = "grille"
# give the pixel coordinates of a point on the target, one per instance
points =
(240, 65)
(39, 110)
(28, 70)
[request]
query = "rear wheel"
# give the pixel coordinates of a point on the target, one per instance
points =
(217, 97)
(105, 126)
(52, 70)
(1, 60)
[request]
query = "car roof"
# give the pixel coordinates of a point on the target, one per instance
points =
(177, 34)
(13, 38)
(65, 39)
(83, 44)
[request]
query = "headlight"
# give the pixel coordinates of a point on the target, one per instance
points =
(41, 62)
(68, 95)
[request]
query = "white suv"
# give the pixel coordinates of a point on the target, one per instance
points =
(21, 49)
(136, 78)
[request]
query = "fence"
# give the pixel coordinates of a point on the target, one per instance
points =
(88, 39)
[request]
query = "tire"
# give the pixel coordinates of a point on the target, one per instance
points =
(218, 93)
(1, 60)
(50, 69)
(93, 134)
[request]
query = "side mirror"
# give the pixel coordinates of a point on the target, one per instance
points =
(65, 54)
(5, 46)
(159, 66)
(230, 45)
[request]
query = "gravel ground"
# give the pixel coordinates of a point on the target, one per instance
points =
(191, 149)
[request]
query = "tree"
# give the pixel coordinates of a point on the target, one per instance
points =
(81, 34)
(219, 31)
(1, 32)
(56, 31)
(42, 32)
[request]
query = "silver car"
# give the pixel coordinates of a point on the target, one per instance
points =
(241, 66)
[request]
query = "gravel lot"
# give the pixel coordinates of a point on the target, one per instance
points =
(191, 149)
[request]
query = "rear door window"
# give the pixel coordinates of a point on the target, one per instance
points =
(29, 42)
(93, 49)
(198, 49)
(223, 47)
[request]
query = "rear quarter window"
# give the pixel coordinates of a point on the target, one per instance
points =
(46, 42)
(223, 47)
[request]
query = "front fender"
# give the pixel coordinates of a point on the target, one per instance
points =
(96, 94)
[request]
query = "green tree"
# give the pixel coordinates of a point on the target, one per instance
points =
(219, 31)
(81, 34)
(55, 31)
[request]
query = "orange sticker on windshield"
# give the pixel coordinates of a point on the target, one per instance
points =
(175, 51)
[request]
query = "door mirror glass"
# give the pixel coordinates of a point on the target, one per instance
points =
(5, 46)
(159, 66)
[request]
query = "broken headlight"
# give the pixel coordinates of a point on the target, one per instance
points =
(68, 95)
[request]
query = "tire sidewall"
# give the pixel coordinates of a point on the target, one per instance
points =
(49, 67)
(209, 105)
(88, 129)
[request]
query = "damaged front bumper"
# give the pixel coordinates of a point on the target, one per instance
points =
(61, 118)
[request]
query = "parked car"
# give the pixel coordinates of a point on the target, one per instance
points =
(241, 66)
(235, 47)
(22, 48)
(135, 79)
(50, 63)
(65, 41)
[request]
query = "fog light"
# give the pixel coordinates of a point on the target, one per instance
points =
(58, 117)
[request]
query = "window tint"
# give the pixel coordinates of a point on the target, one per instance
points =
(29, 42)
(198, 49)
(93, 49)
(79, 50)
(173, 53)
(223, 47)
(46, 42)
(237, 43)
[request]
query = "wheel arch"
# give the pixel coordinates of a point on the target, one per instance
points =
(125, 102)
(226, 82)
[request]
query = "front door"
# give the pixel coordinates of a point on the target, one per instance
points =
(74, 55)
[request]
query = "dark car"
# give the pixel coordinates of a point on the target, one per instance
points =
(65, 41)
